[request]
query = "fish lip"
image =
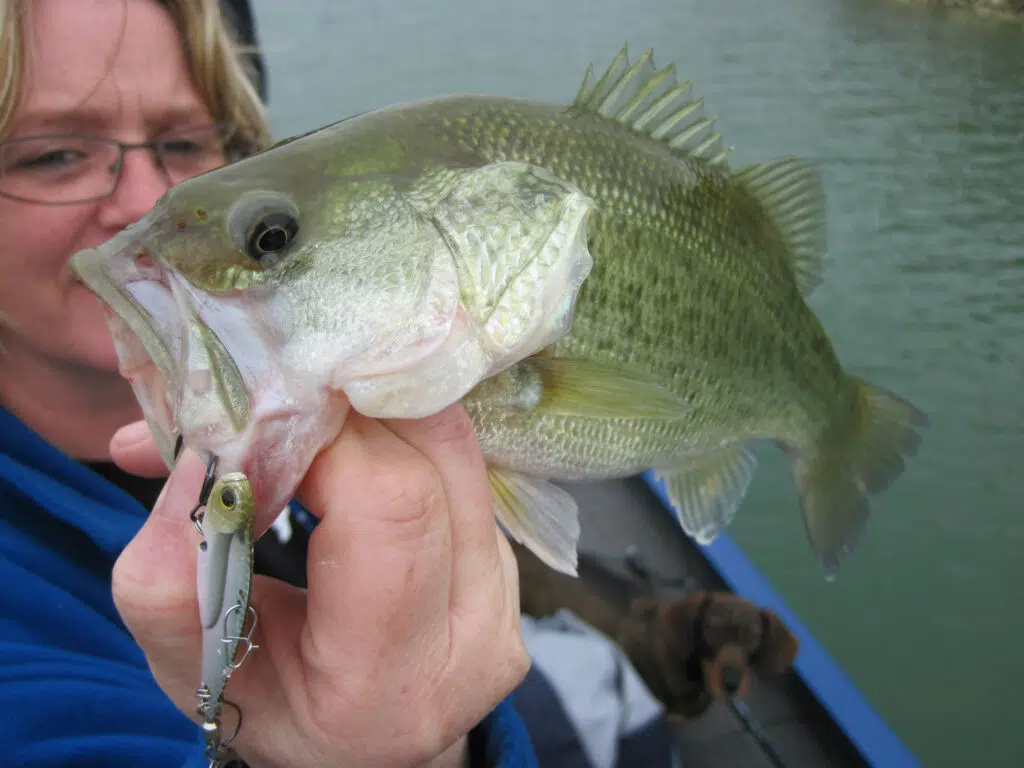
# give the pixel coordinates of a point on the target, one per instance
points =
(143, 348)
(184, 378)
(93, 267)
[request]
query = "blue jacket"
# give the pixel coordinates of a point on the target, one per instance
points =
(74, 687)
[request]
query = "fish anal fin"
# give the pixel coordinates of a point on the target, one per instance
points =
(539, 515)
(707, 490)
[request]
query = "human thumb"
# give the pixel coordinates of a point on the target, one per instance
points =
(134, 450)
(154, 583)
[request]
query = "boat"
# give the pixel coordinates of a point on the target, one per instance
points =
(813, 715)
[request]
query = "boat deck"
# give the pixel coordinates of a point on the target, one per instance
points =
(618, 514)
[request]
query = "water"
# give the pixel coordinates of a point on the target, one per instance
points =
(918, 120)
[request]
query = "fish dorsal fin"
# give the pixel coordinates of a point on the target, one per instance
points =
(654, 104)
(793, 194)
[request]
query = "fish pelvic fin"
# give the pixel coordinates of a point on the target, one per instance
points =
(835, 484)
(655, 104)
(793, 195)
(706, 491)
(539, 515)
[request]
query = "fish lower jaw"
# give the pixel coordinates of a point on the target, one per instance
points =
(277, 445)
(133, 359)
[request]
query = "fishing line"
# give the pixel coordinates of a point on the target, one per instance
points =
(753, 726)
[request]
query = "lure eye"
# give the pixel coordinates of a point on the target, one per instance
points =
(272, 233)
(227, 498)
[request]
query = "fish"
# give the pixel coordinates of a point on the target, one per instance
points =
(595, 284)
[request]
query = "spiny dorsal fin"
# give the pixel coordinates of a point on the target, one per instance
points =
(653, 103)
(792, 192)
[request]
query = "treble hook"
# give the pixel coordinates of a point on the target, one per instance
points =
(218, 748)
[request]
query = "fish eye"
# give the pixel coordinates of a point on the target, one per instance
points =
(272, 233)
(263, 226)
(227, 498)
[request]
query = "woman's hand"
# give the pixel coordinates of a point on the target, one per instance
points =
(408, 634)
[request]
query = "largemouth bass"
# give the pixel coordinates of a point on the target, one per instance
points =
(593, 282)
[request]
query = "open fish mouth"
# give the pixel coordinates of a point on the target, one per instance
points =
(203, 369)
(138, 304)
(149, 378)
(184, 379)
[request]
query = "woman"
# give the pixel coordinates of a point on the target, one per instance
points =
(408, 637)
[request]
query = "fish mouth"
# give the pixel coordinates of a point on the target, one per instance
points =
(119, 273)
(178, 370)
(203, 369)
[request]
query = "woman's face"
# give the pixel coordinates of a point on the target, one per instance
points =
(112, 68)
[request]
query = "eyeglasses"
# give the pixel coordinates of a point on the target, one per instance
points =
(59, 169)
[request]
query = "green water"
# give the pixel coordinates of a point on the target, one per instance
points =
(918, 120)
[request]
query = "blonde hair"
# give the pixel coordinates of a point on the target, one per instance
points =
(216, 61)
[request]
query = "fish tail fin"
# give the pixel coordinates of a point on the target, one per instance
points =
(835, 481)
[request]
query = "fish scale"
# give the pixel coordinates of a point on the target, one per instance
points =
(682, 273)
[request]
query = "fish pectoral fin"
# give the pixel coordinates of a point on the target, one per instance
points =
(539, 515)
(707, 490)
(792, 192)
(572, 386)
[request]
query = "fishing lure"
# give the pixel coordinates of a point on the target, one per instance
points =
(225, 567)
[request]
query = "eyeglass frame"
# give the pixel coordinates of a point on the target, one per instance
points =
(231, 150)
